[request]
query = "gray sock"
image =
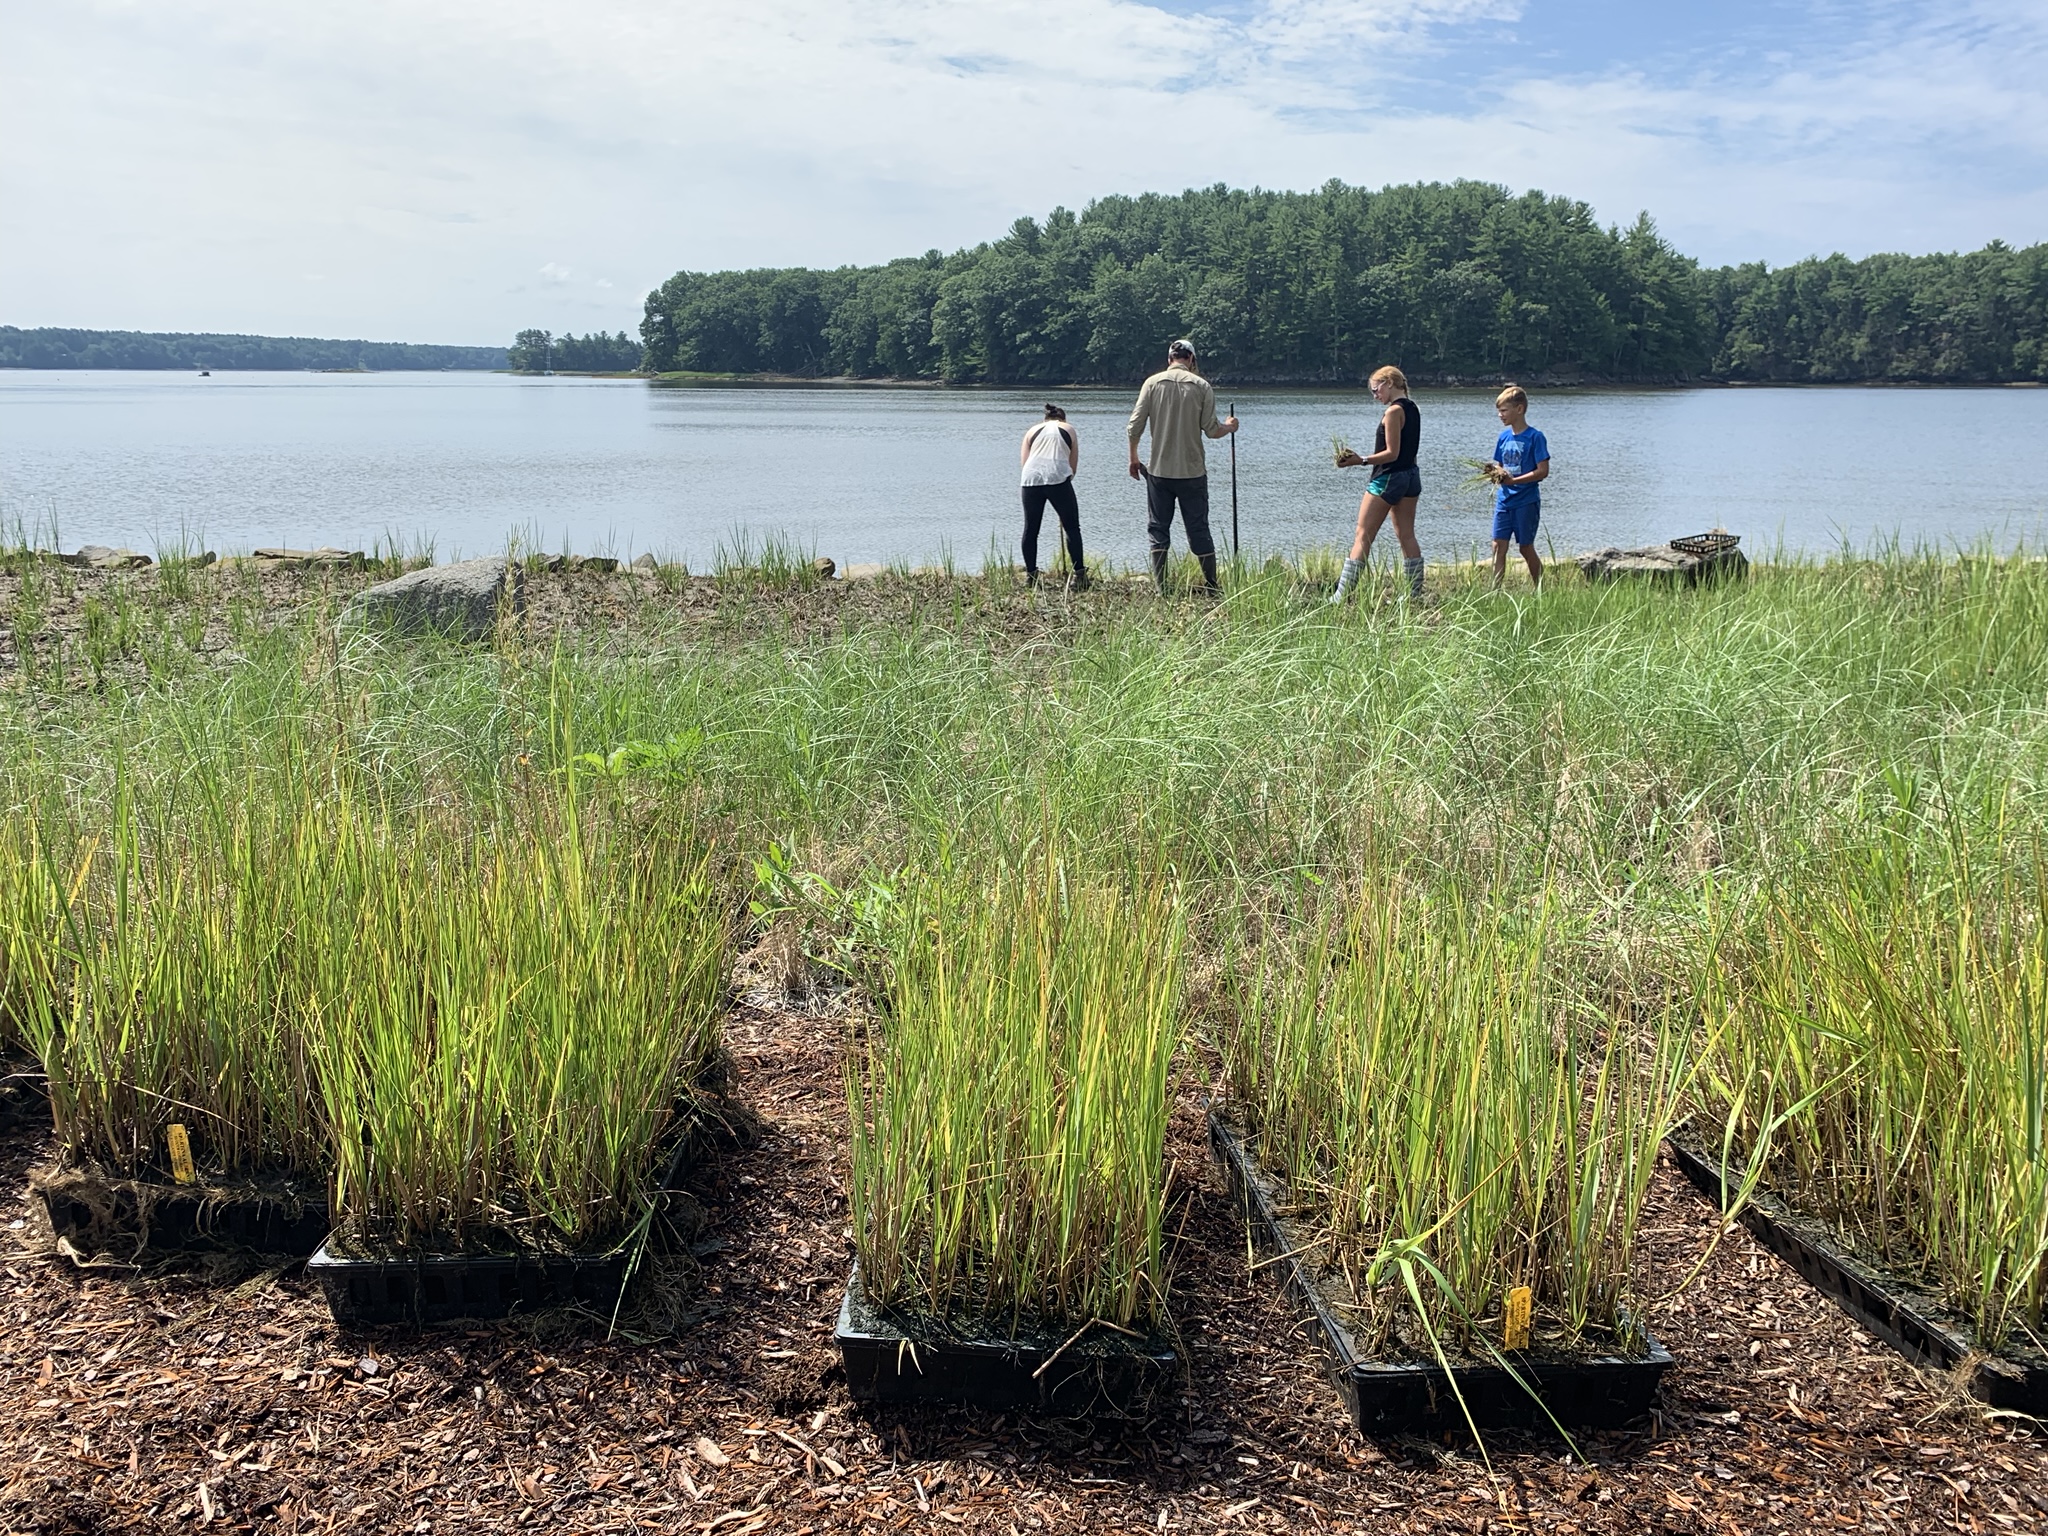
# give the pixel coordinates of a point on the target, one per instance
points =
(1411, 565)
(1347, 579)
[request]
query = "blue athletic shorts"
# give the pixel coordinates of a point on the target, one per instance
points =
(1518, 523)
(1396, 484)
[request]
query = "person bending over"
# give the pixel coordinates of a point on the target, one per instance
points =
(1396, 484)
(1180, 407)
(1049, 455)
(1521, 463)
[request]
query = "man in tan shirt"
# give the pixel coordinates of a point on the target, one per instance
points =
(1180, 407)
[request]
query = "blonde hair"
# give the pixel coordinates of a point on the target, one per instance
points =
(1514, 394)
(1390, 375)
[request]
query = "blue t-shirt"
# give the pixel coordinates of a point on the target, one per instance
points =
(1518, 454)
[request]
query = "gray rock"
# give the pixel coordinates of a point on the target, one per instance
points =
(460, 600)
(646, 563)
(824, 567)
(100, 558)
(866, 570)
(1660, 562)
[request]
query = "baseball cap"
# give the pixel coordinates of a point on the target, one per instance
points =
(1182, 348)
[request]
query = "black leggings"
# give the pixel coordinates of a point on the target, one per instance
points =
(1069, 509)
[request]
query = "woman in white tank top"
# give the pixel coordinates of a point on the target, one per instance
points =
(1048, 456)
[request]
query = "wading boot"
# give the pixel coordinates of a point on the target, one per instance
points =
(1159, 570)
(1211, 587)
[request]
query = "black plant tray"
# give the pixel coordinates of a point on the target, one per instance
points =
(1399, 1397)
(416, 1289)
(139, 1218)
(1905, 1317)
(897, 1357)
(1706, 543)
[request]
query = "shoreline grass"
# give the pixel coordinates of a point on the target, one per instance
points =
(1636, 762)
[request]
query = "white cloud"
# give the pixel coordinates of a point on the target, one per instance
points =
(164, 163)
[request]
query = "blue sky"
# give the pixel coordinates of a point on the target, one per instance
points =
(453, 169)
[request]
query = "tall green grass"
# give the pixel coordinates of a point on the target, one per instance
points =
(1620, 757)
(1448, 1130)
(1009, 1110)
(513, 1025)
(473, 1024)
(1883, 1064)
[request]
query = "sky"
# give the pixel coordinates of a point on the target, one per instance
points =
(455, 170)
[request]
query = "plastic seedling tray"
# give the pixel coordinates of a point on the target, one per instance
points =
(418, 1289)
(368, 1285)
(139, 1218)
(894, 1356)
(1904, 1316)
(1389, 1397)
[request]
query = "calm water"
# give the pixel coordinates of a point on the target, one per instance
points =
(465, 460)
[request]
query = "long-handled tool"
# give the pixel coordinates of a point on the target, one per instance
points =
(1233, 488)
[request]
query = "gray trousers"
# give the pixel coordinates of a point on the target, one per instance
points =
(1192, 493)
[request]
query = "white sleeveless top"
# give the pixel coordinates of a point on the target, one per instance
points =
(1048, 462)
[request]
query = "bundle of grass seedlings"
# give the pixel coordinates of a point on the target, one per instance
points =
(506, 1027)
(1009, 1110)
(1882, 1066)
(1445, 1130)
(481, 1027)
(158, 966)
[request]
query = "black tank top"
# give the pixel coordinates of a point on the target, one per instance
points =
(1411, 437)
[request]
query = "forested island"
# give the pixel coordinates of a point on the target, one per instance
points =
(56, 347)
(1457, 281)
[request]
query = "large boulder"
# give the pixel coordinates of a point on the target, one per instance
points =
(462, 600)
(1660, 562)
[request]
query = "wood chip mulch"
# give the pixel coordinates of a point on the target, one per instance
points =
(173, 1401)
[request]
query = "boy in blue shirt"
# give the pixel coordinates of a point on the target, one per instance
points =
(1521, 463)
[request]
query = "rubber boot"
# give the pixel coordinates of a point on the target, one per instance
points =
(1211, 587)
(1346, 580)
(1159, 570)
(1082, 582)
(1412, 566)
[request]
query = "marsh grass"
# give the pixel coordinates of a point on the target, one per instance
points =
(515, 1028)
(1884, 1064)
(476, 1024)
(1634, 762)
(1009, 1110)
(1447, 1129)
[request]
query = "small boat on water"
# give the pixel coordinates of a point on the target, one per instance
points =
(206, 373)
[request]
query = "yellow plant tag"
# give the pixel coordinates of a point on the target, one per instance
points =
(180, 1146)
(1515, 1330)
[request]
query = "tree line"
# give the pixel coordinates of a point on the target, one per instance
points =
(1464, 280)
(56, 347)
(544, 352)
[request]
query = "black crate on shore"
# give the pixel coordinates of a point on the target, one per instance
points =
(894, 1356)
(1390, 1397)
(1706, 543)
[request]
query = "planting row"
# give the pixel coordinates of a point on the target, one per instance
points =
(1449, 1148)
(471, 1048)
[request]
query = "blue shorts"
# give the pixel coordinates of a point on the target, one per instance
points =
(1518, 523)
(1396, 484)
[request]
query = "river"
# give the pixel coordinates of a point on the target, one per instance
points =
(462, 462)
